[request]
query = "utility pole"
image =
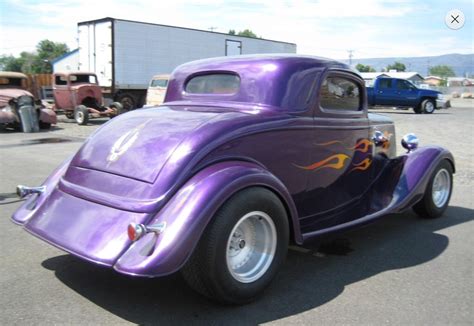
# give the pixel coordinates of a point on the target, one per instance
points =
(350, 56)
(212, 28)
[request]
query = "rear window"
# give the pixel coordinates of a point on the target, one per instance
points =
(385, 83)
(213, 84)
(159, 83)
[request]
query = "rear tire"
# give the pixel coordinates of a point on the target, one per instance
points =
(81, 115)
(241, 249)
(428, 106)
(128, 102)
(438, 192)
(118, 107)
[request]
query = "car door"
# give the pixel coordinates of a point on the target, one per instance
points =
(384, 92)
(406, 93)
(61, 92)
(341, 153)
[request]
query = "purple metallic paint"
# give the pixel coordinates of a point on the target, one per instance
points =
(187, 214)
(190, 155)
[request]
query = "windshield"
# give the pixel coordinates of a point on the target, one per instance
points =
(78, 79)
(11, 82)
(159, 83)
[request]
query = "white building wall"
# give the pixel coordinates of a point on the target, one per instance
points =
(68, 63)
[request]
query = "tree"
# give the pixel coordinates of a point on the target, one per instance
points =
(35, 62)
(46, 52)
(10, 63)
(247, 32)
(364, 68)
(442, 71)
(398, 66)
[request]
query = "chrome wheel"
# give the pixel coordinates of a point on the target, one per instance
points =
(441, 188)
(429, 107)
(251, 247)
(79, 117)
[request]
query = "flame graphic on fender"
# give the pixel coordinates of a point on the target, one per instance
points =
(334, 162)
(362, 166)
(362, 145)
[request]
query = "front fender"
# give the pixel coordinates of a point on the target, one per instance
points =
(48, 116)
(189, 211)
(418, 168)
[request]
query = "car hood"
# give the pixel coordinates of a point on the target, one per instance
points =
(137, 145)
(10, 93)
(429, 92)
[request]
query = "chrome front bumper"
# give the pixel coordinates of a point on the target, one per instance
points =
(443, 104)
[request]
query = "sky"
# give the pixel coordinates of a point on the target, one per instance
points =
(328, 28)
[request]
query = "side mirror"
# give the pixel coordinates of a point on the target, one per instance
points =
(410, 142)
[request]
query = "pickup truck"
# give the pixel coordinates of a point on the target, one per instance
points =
(397, 92)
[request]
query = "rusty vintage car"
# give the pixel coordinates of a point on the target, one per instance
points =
(79, 96)
(14, 98)
(247, 155)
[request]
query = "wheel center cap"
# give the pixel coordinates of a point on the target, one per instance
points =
(241, 243)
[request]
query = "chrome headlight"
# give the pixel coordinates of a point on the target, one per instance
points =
(441, 96)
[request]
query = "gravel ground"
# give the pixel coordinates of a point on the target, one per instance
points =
(401, 270)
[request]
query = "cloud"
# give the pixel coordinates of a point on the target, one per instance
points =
(325, 27)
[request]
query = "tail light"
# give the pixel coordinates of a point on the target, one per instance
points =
(136, 231)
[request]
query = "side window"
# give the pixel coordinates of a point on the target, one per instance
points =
(385, 83)
(60, 80)
(339, 93)
(402, 84)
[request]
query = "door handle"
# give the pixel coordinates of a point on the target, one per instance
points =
(379, 138)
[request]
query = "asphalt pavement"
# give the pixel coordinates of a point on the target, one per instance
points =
(402, 270)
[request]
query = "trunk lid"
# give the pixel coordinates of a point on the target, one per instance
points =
(138, 144)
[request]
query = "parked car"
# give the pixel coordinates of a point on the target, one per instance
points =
(396, 92)
(247, 155)
(156, 92)
(80, 97)
(14, 98)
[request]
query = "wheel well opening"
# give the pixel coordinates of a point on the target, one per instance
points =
(288, 214)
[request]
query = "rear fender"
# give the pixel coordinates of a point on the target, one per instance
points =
(33, 202)
(188, 213)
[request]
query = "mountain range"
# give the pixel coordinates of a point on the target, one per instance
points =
(462, 64)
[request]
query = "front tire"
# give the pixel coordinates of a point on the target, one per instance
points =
(428, 106)
(44, 125)
(241, 249)
(438, 192)
(81, 115)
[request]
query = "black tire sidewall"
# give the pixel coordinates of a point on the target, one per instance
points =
(252, 199)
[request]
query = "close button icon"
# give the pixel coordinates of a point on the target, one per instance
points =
(454, 19)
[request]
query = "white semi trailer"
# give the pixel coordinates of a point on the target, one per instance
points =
(126, 54)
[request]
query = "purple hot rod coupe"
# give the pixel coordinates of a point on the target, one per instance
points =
(246, 155)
